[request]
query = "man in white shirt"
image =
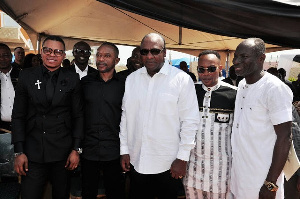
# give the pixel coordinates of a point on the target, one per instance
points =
(159, 122)
(82, 53)
(208, 173)
(261, 128)
(9, 78)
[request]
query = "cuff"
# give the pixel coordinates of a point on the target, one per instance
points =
(18, 147)
(183, 155)
(124, 150)
(76, 143)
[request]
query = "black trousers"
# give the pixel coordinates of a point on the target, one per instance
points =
(112, 174)
(38, 174)
(149, 186)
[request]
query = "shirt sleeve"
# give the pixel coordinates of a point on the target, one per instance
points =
(189, 118)
(123, 127)
(279, 102)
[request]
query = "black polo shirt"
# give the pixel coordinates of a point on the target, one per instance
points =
(103, 101)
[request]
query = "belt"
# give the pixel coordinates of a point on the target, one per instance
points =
(5, 127)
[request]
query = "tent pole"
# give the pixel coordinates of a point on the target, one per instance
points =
(180, 35)
(39, 43)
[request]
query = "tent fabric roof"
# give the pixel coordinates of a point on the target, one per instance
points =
(274, 22)
(181, 22)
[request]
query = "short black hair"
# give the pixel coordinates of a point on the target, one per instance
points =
(3, 45)
(18, 48)
(207, 52)
(54, 38)
(81, 43)
(115, 48)
(150, 34)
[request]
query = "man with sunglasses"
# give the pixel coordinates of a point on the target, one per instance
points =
(262, 126)
(159, 123)
(208, 172)
(133, 63)
(82, 53)
(47, 123)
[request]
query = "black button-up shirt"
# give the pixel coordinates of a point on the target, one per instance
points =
(103, 101)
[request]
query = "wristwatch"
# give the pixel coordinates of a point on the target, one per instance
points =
(17, 154)
(78, 150)
(271, 186)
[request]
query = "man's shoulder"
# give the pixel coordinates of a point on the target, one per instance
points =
(69, 73)
(92, 70)
(226, 86)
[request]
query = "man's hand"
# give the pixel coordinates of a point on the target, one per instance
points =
(21, 164)
(264, 193)
(125, 162)
(178, 169)
(72, 161)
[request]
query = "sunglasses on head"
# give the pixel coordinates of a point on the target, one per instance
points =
(153, 51)
(209, 69)
(57, 52)
(77, 51)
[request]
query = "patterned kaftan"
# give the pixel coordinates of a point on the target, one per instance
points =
(210, 160)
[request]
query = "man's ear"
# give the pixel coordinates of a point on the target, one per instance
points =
(262, 58)
(117, 60)
(220, 67)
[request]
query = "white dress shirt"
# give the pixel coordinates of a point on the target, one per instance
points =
(80, 72)
(7, 96)
(258, 108)
(159, 120)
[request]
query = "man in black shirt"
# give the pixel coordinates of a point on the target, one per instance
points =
(19, 58)
(103, 93)
(183, 66)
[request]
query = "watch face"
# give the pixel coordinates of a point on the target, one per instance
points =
(270, 187)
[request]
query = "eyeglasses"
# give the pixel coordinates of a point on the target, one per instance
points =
(77, 51)
(153, 51)
(48, 51)
(209, 69)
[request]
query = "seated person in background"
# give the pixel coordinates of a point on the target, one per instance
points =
(183, 66)
(232, 79)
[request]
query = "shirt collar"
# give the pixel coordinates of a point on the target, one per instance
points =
(80, 71)
(215, 87)
(164, 69)
(115, 76)
(46, 71)
(8, 73)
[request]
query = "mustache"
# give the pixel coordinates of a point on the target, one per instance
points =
(100, 63)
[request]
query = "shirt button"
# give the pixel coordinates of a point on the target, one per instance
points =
(44, 132)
